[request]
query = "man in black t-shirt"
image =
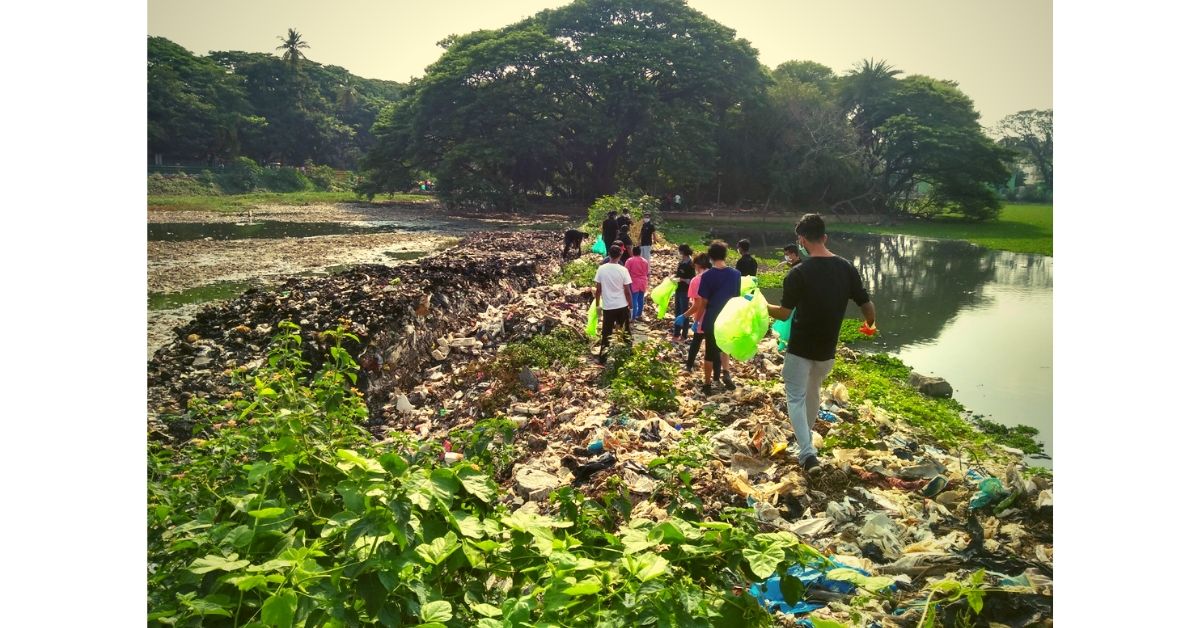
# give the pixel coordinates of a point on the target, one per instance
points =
(646, 237)
(746, 264)
(608, 230)
(684, 271)
(624, 220)
(817, 289)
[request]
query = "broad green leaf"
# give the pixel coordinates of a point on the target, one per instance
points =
(669, 533)
(487, 610)
(524, 521)
(779, 539)
(272, 565)
(715, 525)
(792, 589)
(477, 484)
(589, 586)
(817, 622)
(266, 513)
(245, 583)
(212, 563)
(279, 609)
(763, 562)
(488, 622)
(646, 567)
(975, 599)
(635, 540)
(439, 549)
(468, 526)
(440, 610)
(393, 463)
(444, 485)
(870, 583)
(354, 459)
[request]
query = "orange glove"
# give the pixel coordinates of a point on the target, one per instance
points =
(868, 330)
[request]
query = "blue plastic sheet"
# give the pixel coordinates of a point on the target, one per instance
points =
(770, 595)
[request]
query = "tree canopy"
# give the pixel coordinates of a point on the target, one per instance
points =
(270, 108)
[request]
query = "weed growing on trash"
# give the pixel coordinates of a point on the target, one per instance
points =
(581, 272)
(290, 514)
(642, 377)
(1020, 436)
(675, 472)
(882, 379)
(949, 591)
(560, 348)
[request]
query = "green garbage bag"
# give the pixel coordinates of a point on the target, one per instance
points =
(741, 325)
(593, 319)
(598, 247)
(749, 283)
(784, 329)
(661, 295)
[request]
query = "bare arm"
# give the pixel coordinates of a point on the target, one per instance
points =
(868, 310)
(597, 291)
(778, 312)
(628, 297)
(697, 306)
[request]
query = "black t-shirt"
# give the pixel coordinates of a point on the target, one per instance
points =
(647, 235)
(609, 231)
(818, 289)
(747, 265)
(628, 241)
(624, 221)
(685, 271)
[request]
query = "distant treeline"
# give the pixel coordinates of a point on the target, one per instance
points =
(210, 109)
(599, 96)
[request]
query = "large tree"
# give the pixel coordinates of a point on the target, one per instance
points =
(195, 110)
(577, 100)
(1031, 134)
(291, 48)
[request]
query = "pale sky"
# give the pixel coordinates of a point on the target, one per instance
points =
(999, 51)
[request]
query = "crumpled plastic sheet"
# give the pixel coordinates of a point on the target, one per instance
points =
(770, 595)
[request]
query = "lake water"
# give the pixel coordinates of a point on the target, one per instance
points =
(273, 229)
(980, 318)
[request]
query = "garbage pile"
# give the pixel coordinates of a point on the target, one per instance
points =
(893, 515)
(397, 312)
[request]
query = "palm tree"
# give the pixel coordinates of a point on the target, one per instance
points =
(291, 47)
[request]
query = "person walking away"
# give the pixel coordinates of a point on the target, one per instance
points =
(718, 285)
(678, 202)
(573, 239)
(626, 243)
(639, 272)
(791, 255)
(746, 264)
(624, 221)
(817, 290)
(614, 295)
(608, 230)
(685, 271)
(646, 237)
(696, 312)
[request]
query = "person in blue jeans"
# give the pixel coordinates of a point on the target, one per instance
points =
(718, 285)
(817, 289)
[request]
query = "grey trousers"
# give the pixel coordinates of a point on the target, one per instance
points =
(802, 383)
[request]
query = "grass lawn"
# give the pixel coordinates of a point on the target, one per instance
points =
(1020, 228)
(238, 202)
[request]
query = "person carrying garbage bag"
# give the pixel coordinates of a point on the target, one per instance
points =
(817, 291)
(616, 299)
(717, 286)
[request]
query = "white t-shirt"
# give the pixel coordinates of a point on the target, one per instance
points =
(612, 279)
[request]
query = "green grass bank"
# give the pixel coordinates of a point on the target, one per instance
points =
(1021, 228)
(241, 202)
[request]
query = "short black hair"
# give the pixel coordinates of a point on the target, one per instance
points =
(792, 248)
(637, 250)
(685, 249)
(717, 250)
(614, 251)
(811, 227)
(744, 245)
(612, 214)
(702, 261)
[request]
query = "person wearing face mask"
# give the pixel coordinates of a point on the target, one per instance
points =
(791, 255)
(817, 290)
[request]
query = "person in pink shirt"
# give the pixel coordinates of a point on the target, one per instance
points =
(639, 272)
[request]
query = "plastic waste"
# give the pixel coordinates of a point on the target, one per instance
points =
(870, 331)
(784, 330)
(741, 325)
(749, 284)
(840, 394)
(818, 585)
(596, 446)
(598, 247)
(990, 490)
(661, 295)
(826, 415)
(680, 320)
(593, 319)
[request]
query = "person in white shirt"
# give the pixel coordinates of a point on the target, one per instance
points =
(613, 293)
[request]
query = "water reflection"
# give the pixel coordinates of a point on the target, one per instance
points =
(980, 318)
